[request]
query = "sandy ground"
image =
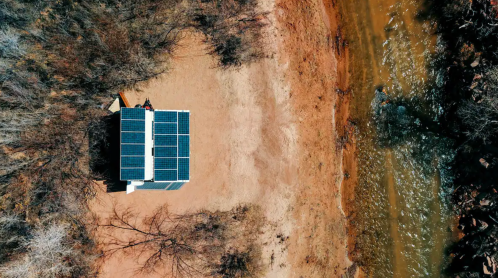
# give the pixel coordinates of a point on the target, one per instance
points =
(262, 134)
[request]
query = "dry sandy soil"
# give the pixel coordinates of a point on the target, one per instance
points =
(265, 134)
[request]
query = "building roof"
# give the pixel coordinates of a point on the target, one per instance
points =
(155, 145)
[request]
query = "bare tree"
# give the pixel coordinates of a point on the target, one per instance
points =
(162, 240)
(182, 245)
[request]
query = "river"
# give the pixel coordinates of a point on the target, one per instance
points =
(403, 221)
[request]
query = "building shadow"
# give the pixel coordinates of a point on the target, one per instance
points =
(104, 142)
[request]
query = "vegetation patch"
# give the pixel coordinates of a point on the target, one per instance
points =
(232, 28)
(469, 33)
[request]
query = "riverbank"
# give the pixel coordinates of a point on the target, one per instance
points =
(344, 126)
(315, 73)
(261, 134)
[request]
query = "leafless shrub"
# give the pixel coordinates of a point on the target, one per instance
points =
(481, 117)
(12, 232)
(481, 114)
(10, 221)
(46, 255)
(14, 122)
(10, 45)
(232, 28)
(237, 264)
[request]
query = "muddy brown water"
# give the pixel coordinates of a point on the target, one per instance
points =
(401, 220)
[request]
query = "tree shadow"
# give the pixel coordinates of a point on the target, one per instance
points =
(400, 119)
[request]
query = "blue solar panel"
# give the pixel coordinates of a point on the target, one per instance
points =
(161, 128)
(154, 185)
(165, 163)
(132, 174)
(132, 162)
(171, 132)
(165, 116)
(183, 122)
(175, 185)
(132, 137)
(131, 125)
(183, 169)
(133, 113)
(165, 175)
(165, 152)
(183, 146)
(132, 149)
(165, 140)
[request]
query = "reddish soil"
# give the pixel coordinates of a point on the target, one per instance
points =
(318, 67)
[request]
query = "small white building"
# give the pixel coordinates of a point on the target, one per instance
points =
(155, 149)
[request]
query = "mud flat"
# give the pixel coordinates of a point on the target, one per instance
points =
(262, 134)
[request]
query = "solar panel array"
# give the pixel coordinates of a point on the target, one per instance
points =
(132, 144)
(171, 146)
(171, 134)
(161, 186)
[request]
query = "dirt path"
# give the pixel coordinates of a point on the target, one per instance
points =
(262, 134)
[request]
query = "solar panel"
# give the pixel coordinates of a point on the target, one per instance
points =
(132, 144)
(165, 163)
(165, 140)
(165, 175)
(133, 150)
(171, 147)
(165, 152)
(133, 162)
(183, 146)
(162, 128)
(154, 185)
(132, 174)
(183, 122)
(175, 185)
(165, 116)
(133, 137)
(133, 113)
(183, 169)
(132, 125)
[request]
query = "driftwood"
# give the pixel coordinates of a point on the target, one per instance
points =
(340, 43)
(343, 92)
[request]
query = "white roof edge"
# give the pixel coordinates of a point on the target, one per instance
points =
(172, 181)
(167, 110)
(149, 144)
(130, 188)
